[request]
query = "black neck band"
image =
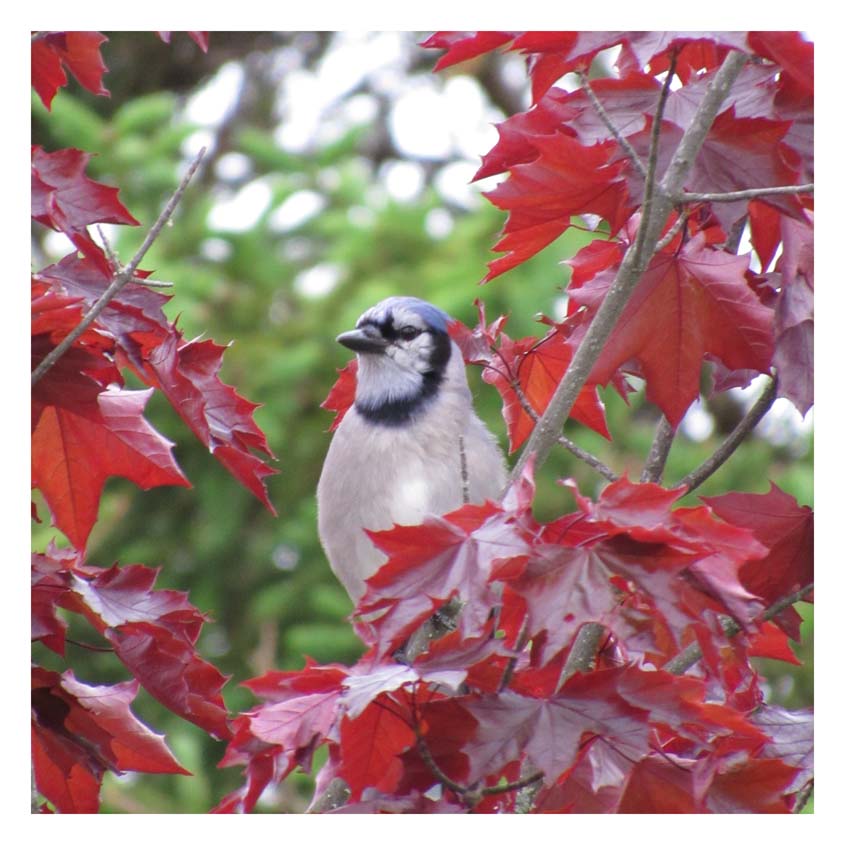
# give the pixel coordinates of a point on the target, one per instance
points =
(397, 412)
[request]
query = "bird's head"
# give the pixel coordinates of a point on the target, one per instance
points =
(403, 351)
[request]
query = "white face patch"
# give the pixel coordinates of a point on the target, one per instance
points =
(409, 367)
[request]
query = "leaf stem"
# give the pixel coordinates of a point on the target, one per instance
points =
(121, 278)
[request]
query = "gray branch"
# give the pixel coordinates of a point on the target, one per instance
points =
(547, 431)
(749, 193)
(655, 462)
(684, 660)
(762, 405)
(121, 278)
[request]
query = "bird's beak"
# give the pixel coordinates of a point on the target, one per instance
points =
(365, 339)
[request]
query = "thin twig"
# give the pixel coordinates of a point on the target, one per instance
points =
(112, 257)
(469, 793)
(653, 158)
(464, 469)
(586, 456)
(121, 278)
(546, 432)
(607, 120)
(515, 785)
(661, 446)
(692, 654)
(435, 769)
(89, 647)
(709, 466)
(672, 232)
(738, 195)
(803, 796)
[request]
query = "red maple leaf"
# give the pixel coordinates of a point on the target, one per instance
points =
(461, 46)
(80, 731)
(565, 179)
(66, 200)
(79, 52)
(535, 366)
(372, 744)
(75, 448)
(549, 731)
(686, 307)
(787, 530)
(186, 372)
(429, 563)
(168, 666)
(342, 395)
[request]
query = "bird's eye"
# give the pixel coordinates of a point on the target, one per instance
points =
(409, 332)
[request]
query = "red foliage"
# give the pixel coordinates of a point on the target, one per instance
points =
(87, 427)
(493, 706)
(625, 737)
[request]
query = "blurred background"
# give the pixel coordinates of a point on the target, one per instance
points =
(338, 172)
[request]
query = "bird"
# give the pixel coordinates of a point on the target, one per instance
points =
(410, 446)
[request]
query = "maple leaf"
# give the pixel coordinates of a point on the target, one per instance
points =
(738, 153)
(66, 200)
(461, 46)
(565, 179)
(79, 52)
(153, 631)
(75, 448)
(676, 558)
(787, 530)
(791, 51)
(792, 737)
(168, 666)
(760, 786)
(703, 307)
(79, 731)
(342, 395)
(187, 373)
(549, 731)
(200, 38)
(428, 564)
(660, 785)
(372, 744)
(527, 372)
(794, 315)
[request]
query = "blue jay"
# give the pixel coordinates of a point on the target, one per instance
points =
(411, 446)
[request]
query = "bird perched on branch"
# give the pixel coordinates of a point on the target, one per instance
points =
(411, 446)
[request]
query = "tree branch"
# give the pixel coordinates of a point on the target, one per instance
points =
(692, 654)
(588, 458)
(121, 278)
(581, 453)
(607, 121)
(656, 459)
(762, 405)
(749, 193)
(548, 428)
(672, 232)
(583, 652)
